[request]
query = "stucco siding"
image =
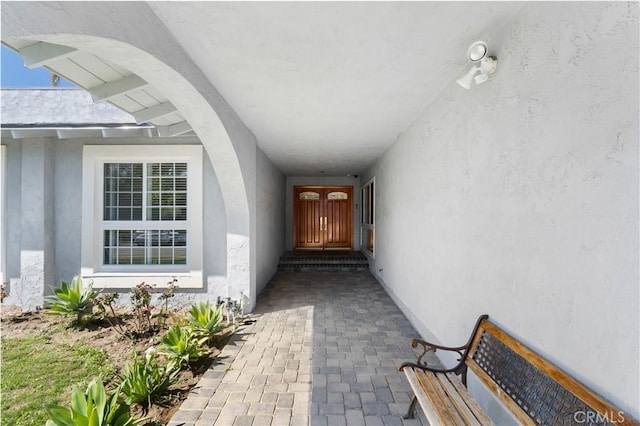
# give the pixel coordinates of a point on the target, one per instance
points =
(61, 218)
(519, 198)
(270, 219)
(13, 206)
(68, 208)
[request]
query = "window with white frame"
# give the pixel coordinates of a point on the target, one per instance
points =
(142, 214)
(368, 224)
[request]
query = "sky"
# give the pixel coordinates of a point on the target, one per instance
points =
(15, 74)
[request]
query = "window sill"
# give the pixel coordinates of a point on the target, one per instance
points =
(126, 280)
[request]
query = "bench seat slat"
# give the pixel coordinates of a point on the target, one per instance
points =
(427, 408)
(445, 400)
(445, 409)
(464, 401)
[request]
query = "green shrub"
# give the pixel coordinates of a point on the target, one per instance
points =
(164, 297)
(142, 308)
(206, 320)
(72, 299)
(181, 346)
(93, 408)
(106, 301)
(145, 381)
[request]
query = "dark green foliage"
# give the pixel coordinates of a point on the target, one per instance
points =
(72, 299)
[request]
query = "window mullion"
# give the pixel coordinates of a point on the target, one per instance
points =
(144, 191)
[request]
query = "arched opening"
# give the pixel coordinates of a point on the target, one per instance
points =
(158, 60)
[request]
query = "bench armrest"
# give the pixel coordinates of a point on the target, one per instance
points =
(462, 351)
(433, 347)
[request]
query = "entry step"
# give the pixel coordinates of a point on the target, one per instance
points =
(323, 261)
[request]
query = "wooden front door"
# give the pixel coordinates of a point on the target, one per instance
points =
(323, 217)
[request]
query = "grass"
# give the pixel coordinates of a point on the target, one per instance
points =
(36, 371)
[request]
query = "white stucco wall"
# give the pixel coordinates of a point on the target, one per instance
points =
(519, 198)
(323, 181)
(13, 206)
(41, 256)
(270, 219)
(36, 201)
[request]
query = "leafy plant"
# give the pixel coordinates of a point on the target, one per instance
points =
(106, 301)
(93, 408)
(206, 320)
(181, 346)
(145, 381)
(141, 300)
(72, 298)
(178, 320)
(167, 294)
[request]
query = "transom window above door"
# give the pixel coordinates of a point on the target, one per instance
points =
(309, 195)
(337, 195)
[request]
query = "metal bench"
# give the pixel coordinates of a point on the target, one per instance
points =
(529, 386)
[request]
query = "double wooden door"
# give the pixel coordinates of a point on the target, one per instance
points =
(323, 217)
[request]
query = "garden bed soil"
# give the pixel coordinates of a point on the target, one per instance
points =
(99, 334)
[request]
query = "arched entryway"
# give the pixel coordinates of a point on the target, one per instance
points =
(131, 36)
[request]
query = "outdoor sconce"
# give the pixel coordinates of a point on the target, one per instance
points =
(482, 67)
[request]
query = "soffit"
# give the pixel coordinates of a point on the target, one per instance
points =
(331, 85)
(107, 83)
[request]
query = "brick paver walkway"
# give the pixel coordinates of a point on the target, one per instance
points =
(324, 350)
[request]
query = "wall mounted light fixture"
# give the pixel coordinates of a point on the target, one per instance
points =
(482, 67)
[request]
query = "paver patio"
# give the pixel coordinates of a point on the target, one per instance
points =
(324, 350)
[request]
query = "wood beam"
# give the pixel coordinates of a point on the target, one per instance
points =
(156, 111)
(41, 53)
(75, 133)
(174, 129)
(122, 86)
(119, 132)
(31, 133)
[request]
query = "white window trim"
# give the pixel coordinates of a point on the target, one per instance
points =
(105, 276)
(3, 174)
(368, 226)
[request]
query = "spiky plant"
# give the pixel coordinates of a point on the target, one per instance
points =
(144, 381)
(72, 298)
(206, 320)
(181, 346)
(92, 408)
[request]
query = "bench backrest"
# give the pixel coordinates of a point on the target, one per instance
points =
(532, 388)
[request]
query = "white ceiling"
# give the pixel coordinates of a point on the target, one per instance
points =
(324, 86)
(330, 85)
